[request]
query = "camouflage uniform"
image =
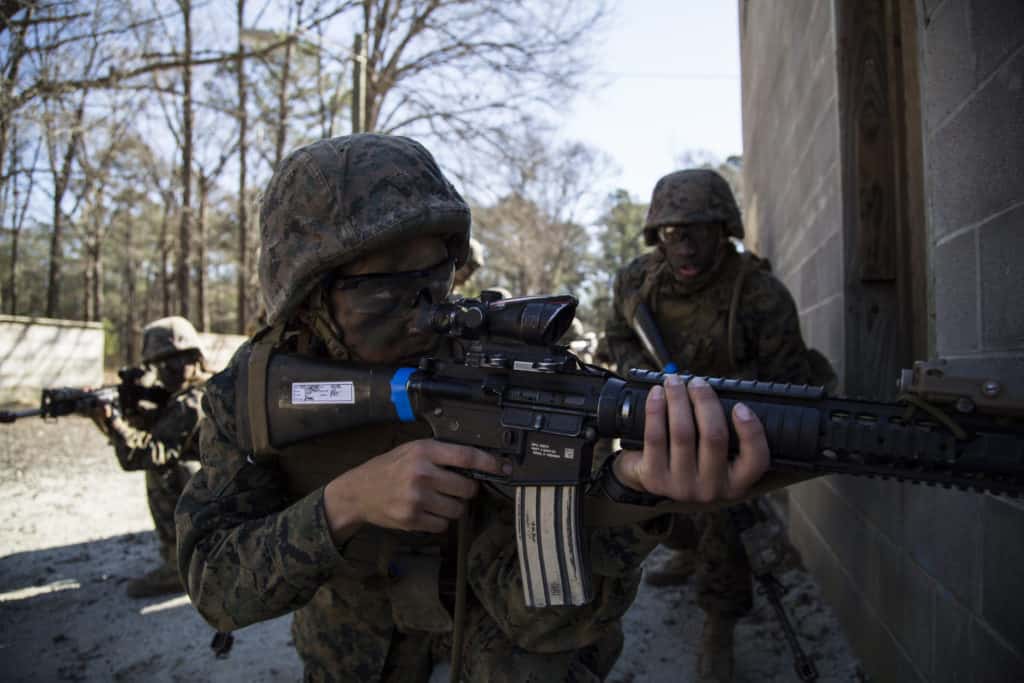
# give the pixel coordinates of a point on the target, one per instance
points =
(254, 541)
(166, 446)
(694, 320)
(163, 441)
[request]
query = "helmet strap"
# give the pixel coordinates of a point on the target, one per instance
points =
(316, 315)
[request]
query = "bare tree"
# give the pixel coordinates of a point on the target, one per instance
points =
(535, 236)
(243, 150)
(184, 261)
(207, 177)
(17, 207)
(61, 162)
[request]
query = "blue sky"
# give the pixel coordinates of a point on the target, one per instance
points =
(667, 82)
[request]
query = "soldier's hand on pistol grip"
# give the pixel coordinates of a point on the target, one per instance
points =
(408, 488)
(101, 413)
(679, 464)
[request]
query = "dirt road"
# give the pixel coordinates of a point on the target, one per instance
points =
(74, 528)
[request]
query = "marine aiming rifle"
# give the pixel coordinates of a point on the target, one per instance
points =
(508, 389)
(128, 398)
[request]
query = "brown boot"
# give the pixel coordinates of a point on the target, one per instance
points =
(674, 570)
(161, 581)
(715, 662)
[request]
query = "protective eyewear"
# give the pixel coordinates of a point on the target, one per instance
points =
(694, 232)
(382, 293)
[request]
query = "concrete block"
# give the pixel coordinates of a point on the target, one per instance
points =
(997, 29)
(991, 660)
(806, 285)
(881, 656)
(907, 604)
(948, 72)
(1001, 243)
(832, 333)
(219, 348)
(881, 502)
(1002, 600)
(41, 352)
(844, 531)
(944, 535)
(952, 663)
(1009, 369)
(974, 162)
(956, 295)
(825, 138)
(830, 265)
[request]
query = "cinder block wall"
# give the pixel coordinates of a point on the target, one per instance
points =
(39, 352)
(924, 581)
(219, 348)
(792, 177)
(972, 81)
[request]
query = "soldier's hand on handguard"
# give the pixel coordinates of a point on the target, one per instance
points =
(409, 488)
(679, 464)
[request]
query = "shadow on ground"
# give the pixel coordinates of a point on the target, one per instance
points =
(64, 616)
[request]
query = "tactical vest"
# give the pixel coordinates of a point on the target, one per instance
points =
(702, 328)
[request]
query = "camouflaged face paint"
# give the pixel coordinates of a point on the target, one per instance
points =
(691, 250)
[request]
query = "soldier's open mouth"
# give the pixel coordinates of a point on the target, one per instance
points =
(688, 271)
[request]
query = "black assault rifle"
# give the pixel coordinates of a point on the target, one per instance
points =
(510, 390)
(126, 397)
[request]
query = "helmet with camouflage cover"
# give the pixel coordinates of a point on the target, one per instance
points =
(692, 196)
(167, 337)
(337, 200)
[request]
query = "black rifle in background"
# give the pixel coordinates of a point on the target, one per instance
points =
(129, 398)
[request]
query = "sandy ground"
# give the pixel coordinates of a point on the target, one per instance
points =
(74, 528)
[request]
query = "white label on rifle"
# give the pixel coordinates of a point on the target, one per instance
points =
(323, 392)
(543, 450)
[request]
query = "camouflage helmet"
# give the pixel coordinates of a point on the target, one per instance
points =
(337, 200)
(693, 196)
(168, 337)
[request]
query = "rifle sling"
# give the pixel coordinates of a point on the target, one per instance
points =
(263, 346)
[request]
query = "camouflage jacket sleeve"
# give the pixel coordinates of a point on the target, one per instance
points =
(771, 323)
(615, 558)
(247, 551)
(624, 348)
(172, 436)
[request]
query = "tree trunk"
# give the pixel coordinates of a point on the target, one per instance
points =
(97, 280)
(184, 265)
(203, 305)
(13, 289)
(128, 331)
(87, 288)
(17, 51)
(281, 133)
(12, 278)
(243, 218)
(60, 186)
(165, 250)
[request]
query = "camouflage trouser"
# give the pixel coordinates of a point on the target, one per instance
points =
(722, 576)
(163, 488)
(489, 657)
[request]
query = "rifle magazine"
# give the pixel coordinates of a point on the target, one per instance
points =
(549, 539)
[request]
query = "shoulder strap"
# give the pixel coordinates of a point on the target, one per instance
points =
(650, 281)
(263, 345)
(747, 267)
